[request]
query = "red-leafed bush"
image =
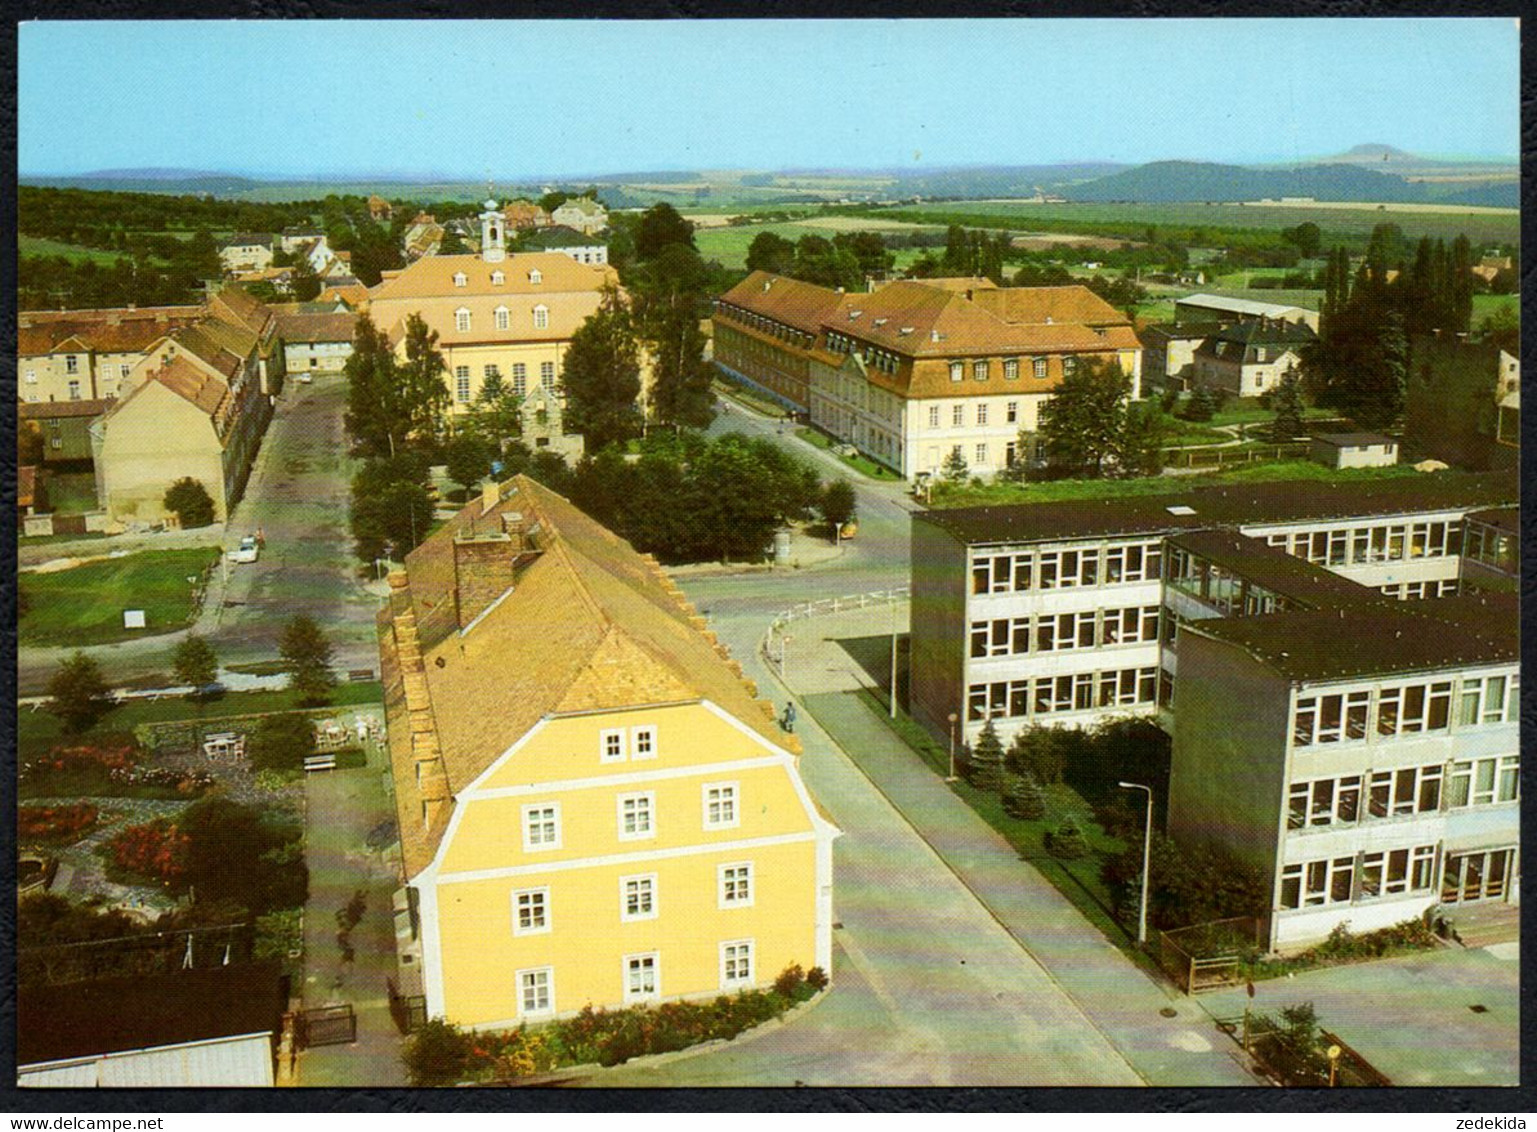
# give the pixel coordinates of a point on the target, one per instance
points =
(156, 850)
(56, 823)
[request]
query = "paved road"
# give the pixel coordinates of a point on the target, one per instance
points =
(298, 495)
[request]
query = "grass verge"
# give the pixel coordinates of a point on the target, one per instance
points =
(84, 605)
(858, 462)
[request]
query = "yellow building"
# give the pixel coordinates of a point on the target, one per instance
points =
(511, 315)
(594, 806)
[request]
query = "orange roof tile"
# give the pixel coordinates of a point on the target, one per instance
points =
(804, 306)
(1072, 302)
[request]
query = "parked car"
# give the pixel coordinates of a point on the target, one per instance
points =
(247, 551)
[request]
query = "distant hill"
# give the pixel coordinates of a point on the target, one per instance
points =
(1503, 194)
(176, 182)
(1374, 152)
(1170, 181)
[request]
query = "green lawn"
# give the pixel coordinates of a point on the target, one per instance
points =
(1486, 305)
(38, 245)
(71, 493)
(84, 605)
(859, 463)
(37, 731)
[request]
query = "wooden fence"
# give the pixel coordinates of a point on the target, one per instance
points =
(1207, 957)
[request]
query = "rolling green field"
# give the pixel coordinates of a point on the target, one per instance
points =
(1019, 216)
(37, 245)
(84, 605)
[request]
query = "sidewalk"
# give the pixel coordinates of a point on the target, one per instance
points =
(346, 815)
(1125, 1003)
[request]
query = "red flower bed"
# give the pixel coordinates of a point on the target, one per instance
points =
(56, 823)
(156, 849)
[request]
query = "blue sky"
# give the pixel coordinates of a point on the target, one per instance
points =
(510, 99)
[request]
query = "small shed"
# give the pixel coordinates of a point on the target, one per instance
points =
(213, 1027)
(1355, 450)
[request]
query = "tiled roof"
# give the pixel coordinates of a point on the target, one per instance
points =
(958, 283)
(805, 306)
(920, 321)
(104, 331)
(316, 326)
(589, 624)
(55, 410)
(1233, 505)
(205, 342)
(192, 384)
(433, 277)
(1072, 302)
(1383, 639)
(560, 236)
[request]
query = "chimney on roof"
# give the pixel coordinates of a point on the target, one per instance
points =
(483, 571)
(490, 496)
(767, 283)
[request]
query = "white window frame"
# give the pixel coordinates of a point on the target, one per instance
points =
(548, 1009)
(460, 279)
(1011, 413)
(655, 993)
(730, 794)
(497, 279)
(536, 276)
(981, 413)
(462, 384)
(958, 415)
(933, 409)
(462, 319)
(611, 745)
(1038, 368)
(743, 979)
(541, 316)
(723, 899)
(643, 742)
(1010, 369)
(541, 896)
(981, 454)
(541, 846)
(957, 371)
(503, 318)
(31, 376)
(547, 375)
(520, 379)
(649, 798)
(644, 883)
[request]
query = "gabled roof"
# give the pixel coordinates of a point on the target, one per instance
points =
(912, 319)
(188, 382)
(1071, 302)
(55, 410)
(585, 205)
(317, 326)
(108, 331)
(587, 624)
(433, 277)
(805, 306)
(560, 236)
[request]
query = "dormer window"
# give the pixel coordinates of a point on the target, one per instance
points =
(460, 279)
(497, 279)
(535, 276)
(541, 317)
(461, 319)
(503, 321)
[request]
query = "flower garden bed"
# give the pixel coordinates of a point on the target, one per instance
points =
(441, 1053)
(51, 824)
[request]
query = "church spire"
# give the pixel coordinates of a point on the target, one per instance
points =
(493, 248)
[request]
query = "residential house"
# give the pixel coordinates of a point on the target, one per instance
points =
(582, 213)
(338, 269)
(86, 355)
(298, 236)
(246, 251)
(210, 1027)
(64, 426)
(594, 806)
(1169, 353)
(348, 291)
(495, 312)
(422, 237)
(1355, 450)
(1463, 403)
(380, 209)
(1250, 357)
(317, 340)
(919, 369)
(1225, 310)
(1067, 613)
(1366, 760)
(579, 246)
(520, 215)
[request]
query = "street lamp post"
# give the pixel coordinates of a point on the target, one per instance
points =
(1147, 852)
(893, 705)
(953, 719)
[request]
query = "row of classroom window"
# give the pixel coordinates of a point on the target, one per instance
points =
(1019, 699)
(1476, 875)
(642, 975)
(636, 816)
(1064, 569)
(1056, 632)
(1404, 709)
(1378, 542)
(980, 369)
(1404, 791)
(983, 414)
(519, 379)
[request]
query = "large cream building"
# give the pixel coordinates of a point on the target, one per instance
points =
(495, 313)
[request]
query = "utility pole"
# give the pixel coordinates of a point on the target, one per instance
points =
(1147, 849)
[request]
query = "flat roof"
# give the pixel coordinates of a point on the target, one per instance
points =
(1506, 519)
(1433, 634)
(1277, 571)
(134, 1012)
(1353, 439)
(1228, 505)
(1240, 306)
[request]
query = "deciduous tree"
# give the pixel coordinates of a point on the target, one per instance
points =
(1082, 424)
(195, 663)
(78, 694)
(189, 501)
(600, 376)
(306, 656)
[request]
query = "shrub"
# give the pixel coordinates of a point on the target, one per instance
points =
(1201, 406)
(789, 980)
(283, 742)
(156, 850)
(817, 979)
(1023, 797)
(1067, 841)
(189, 501)
(437, 1053)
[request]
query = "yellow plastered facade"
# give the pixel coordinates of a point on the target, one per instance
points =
(587, 936)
